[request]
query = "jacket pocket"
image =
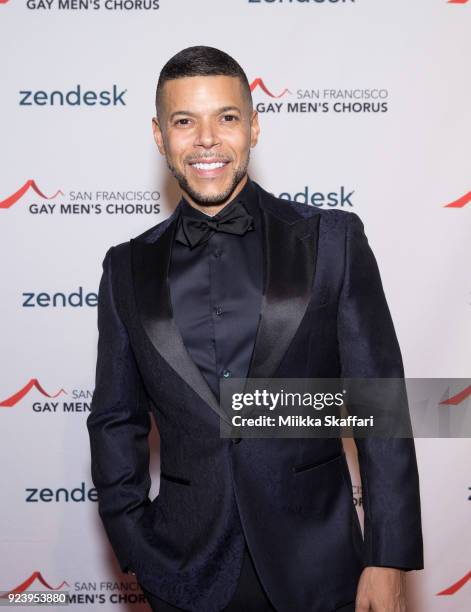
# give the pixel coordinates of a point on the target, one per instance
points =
(304, 467)
(177, 479)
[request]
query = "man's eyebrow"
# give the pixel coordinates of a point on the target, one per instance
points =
(181, 112)
(224, 109)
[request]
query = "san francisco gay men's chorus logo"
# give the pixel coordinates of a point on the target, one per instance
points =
(84, 201)
(320, 100)
(80, 591)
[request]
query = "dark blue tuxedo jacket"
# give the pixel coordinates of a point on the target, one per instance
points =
(324, 315)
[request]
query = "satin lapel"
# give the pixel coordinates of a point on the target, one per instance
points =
(290, 251)
(150, 261)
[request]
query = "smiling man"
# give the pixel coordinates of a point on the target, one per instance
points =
(217, 110)
(237, 283)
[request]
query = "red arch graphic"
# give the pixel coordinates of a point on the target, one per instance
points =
(458, 398)
(16, 397)
(451, 590)
(31, 184)
(258, 82)
(457, 1)
(460, 202)
(29, 581)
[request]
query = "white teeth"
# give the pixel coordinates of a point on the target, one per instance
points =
(211, 166)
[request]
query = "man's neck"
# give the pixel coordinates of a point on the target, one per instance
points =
(213, 209)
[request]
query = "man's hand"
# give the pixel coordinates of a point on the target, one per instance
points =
(381, 589)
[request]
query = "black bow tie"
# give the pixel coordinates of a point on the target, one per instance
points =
(234, 219)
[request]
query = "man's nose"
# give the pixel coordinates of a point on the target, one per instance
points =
(207, 135)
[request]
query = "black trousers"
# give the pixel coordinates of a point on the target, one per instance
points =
(249, 595)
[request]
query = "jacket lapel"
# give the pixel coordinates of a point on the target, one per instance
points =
(289, 251)
(150, 262)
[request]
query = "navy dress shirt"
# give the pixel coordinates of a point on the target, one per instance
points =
(216, 293)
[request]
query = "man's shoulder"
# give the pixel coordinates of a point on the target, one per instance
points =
(152, 233)
(148, 236)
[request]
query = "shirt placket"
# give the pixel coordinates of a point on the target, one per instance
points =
(218, 303)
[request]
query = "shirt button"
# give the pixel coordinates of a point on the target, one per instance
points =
(218, 311)
(226, 373)
(217, 253)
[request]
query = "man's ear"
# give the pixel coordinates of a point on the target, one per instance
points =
(158, 137)
(254, 129)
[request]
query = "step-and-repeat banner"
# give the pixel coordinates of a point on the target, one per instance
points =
(364, 106)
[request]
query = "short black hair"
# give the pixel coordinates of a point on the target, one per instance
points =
(201, 61)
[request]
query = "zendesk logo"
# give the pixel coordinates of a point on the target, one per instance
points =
(43, 299)
(61, 494)
(73, 97)
(339, 198)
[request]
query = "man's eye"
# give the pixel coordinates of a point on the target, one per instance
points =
(182, 122)
(229, 118)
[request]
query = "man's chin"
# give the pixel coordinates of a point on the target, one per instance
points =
(209, 196)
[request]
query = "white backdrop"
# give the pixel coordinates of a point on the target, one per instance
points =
(404, 161)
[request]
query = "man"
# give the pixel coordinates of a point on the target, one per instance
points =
(239, 283)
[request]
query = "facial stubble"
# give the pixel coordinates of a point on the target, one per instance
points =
(201, 199)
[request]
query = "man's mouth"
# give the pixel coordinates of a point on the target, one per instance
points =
(209, 168)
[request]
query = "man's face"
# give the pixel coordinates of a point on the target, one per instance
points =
(205, 130)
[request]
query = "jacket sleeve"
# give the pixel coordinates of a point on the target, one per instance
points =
(369, 348)
(118, 426)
